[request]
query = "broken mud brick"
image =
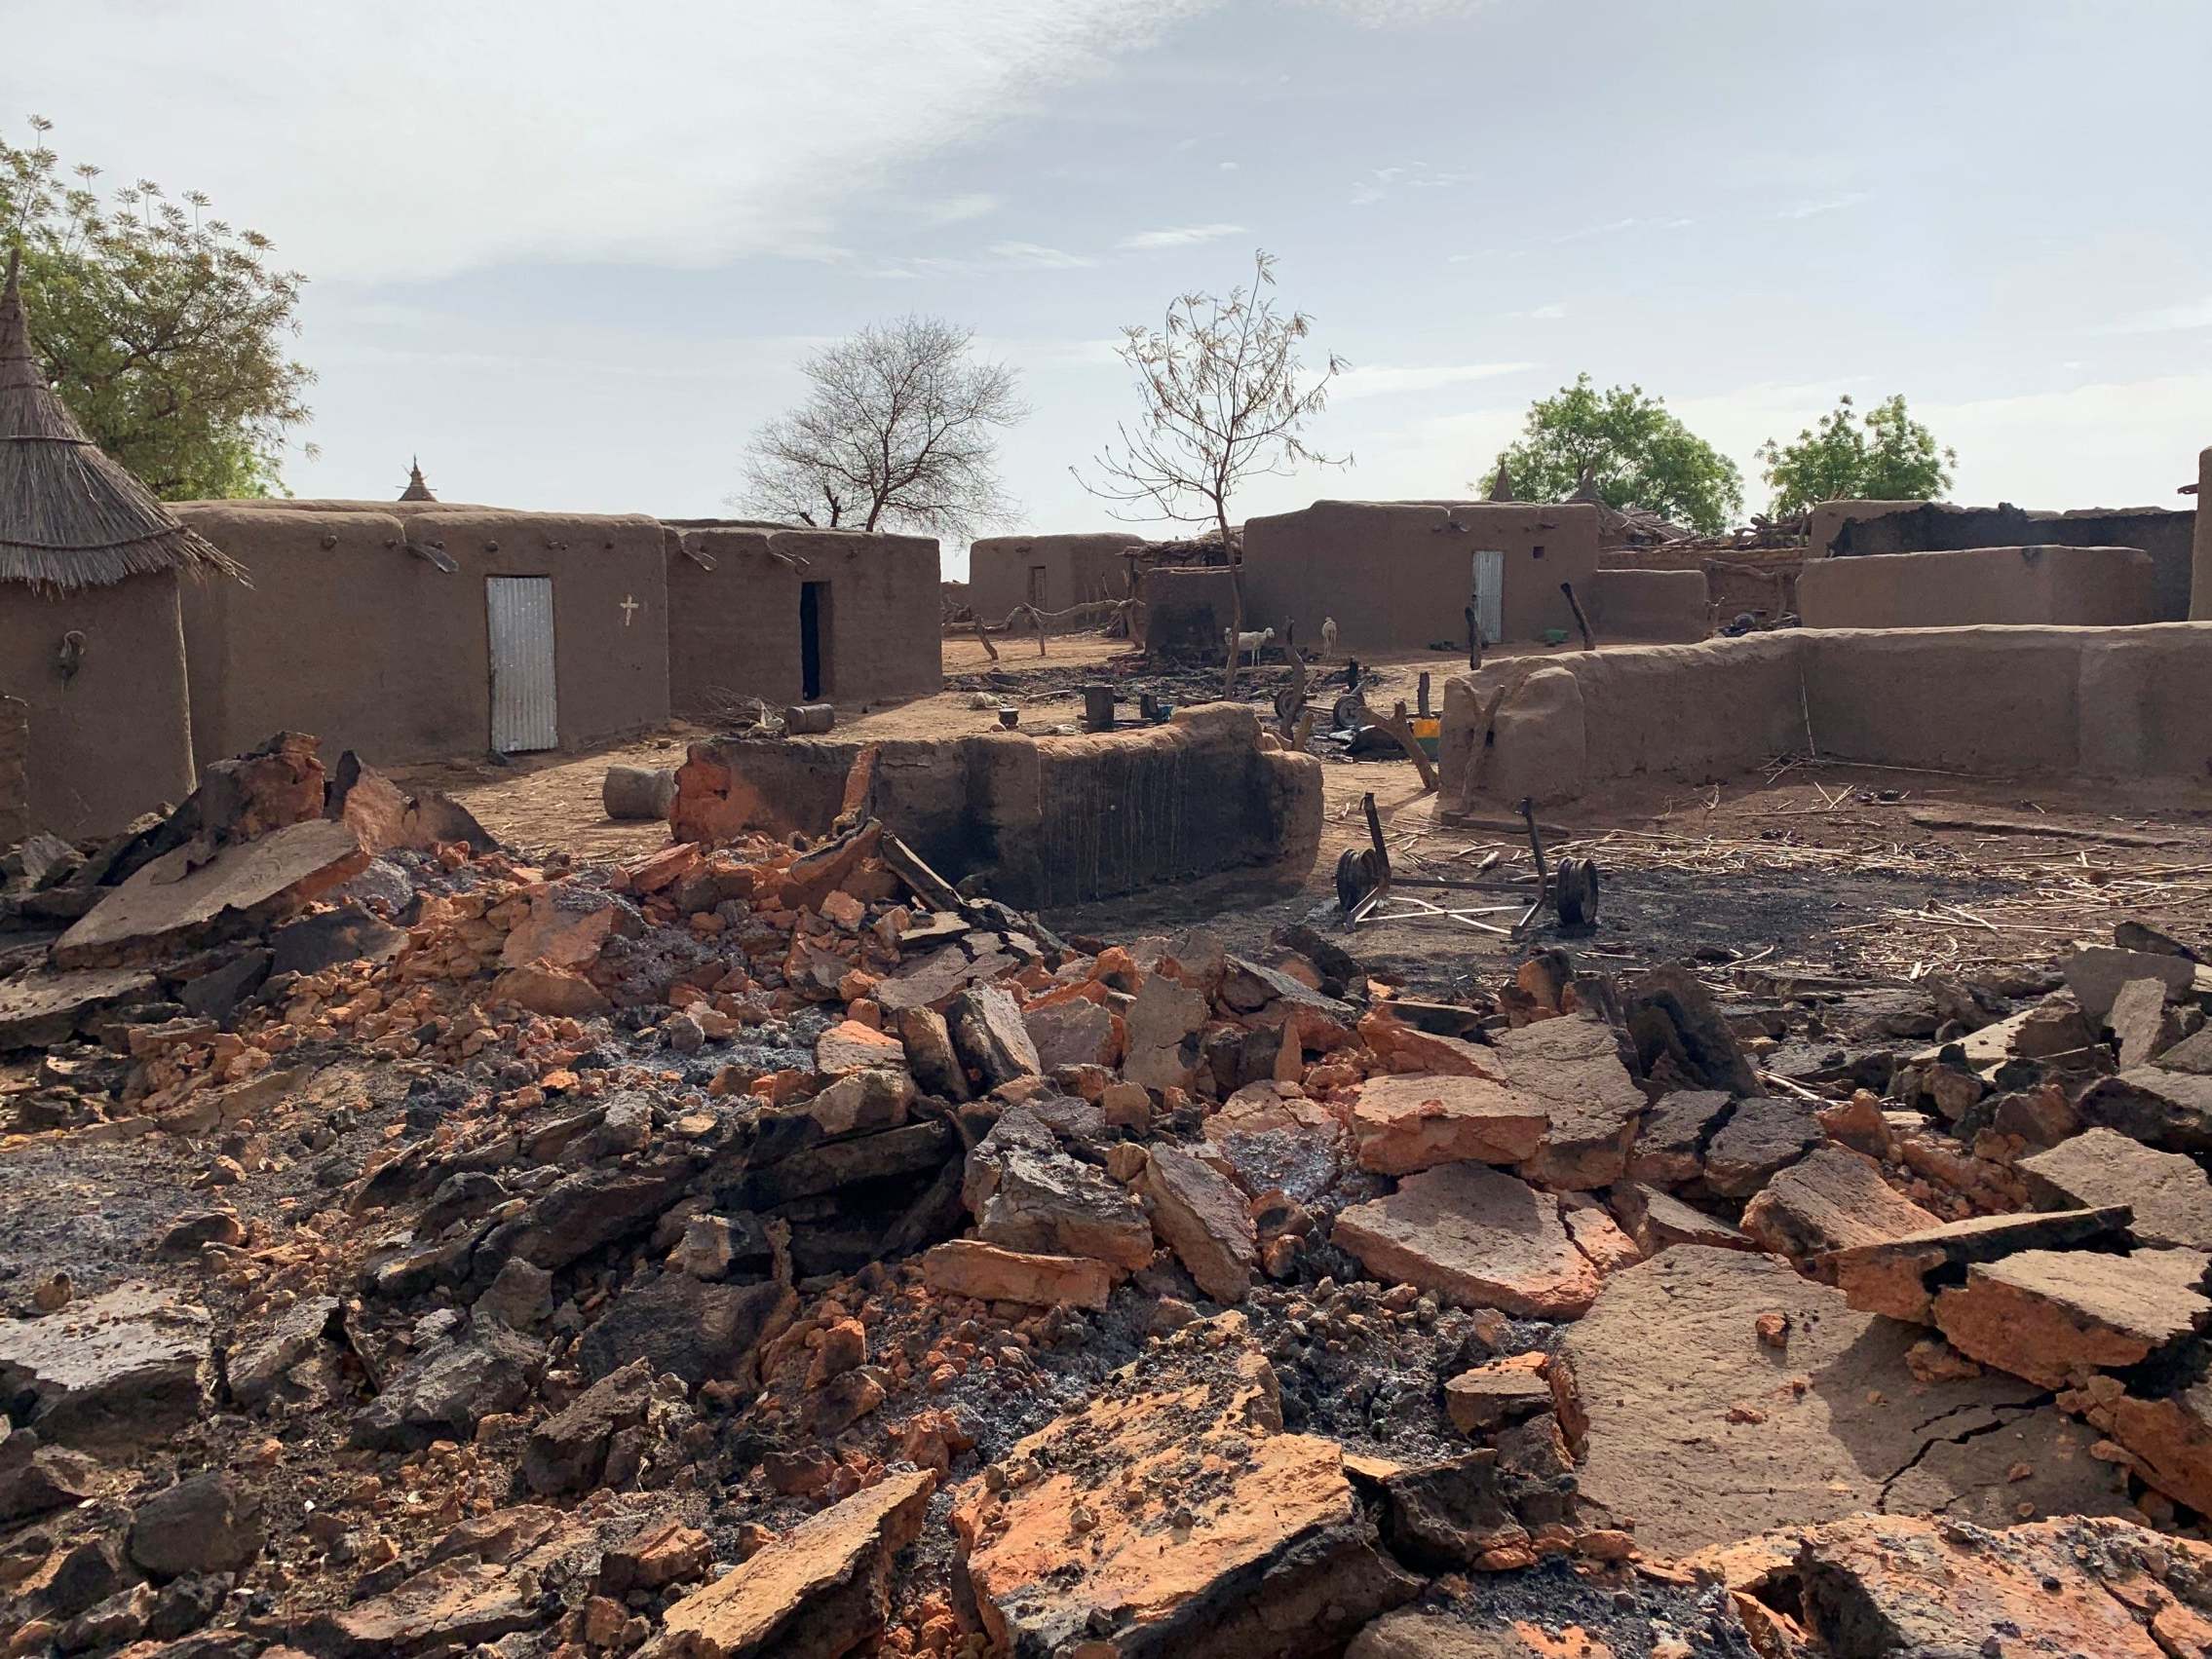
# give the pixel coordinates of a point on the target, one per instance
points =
(1475, 1237)
(1900, 1276)
(2168, 1194)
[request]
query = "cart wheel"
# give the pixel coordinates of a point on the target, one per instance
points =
(1577, 885)
(1355, 877)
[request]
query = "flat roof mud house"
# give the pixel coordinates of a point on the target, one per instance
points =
(1053, 573)
(798, 616)
(412, 631)
(1400, 575)
(92, 645)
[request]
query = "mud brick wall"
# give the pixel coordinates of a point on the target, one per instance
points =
(1078, 570)
(347, 633)
(113, 738)
(1045, 820)
(733, 630)
(1187, 610)
(2069, 587)
(1396, 575)
(1647, 604)
(1844, 528)
(2122, 702)
(15, 770)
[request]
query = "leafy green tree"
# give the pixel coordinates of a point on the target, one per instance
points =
(165, 331)
(1881, 455)
(1636, 452)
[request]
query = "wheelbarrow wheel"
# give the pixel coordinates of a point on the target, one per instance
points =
(1354, 878)
(1577, 886)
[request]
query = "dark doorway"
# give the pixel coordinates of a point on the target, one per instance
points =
(814, 639)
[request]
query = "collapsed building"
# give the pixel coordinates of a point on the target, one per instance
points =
(757, 1249)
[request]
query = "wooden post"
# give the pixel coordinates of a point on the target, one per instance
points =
(1397, 728)
(1420, 696)
(1473, 640)
(985, 640)
(1581, 622)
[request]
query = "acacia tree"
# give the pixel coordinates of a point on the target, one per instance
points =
(900, 429)
(164, 330)
(1883, 455)
(1636, 451)
(1224, 398)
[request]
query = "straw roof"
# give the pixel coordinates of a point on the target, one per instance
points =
(70, 516)
(416, 489)
(1502, 486)
(1623, 527)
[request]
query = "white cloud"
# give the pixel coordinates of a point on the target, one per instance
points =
(957, 210)
(1182, 236)
(1386, 14)
(1827, 204)
(1036, 256)
(2165, 320)
(1617, 227)
(2107, 445)
(999, 256)
(684, 133)
(1381, 379)
(1386, 182)
(1551, 313)
(1228, 166)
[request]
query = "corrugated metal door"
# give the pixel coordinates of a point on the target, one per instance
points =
(523, 715)
(1489, 578)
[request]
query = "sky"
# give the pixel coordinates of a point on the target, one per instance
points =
(572, 254)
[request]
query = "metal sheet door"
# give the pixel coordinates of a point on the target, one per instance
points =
(1489, 578)
(523, 715)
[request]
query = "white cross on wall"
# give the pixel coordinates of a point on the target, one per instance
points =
(630, 610)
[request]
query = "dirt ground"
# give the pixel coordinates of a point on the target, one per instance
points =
(1806, 868)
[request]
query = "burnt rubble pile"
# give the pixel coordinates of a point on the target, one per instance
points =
(767, 1250)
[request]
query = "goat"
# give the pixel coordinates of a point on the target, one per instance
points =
(1248, 646)
(1328, 637)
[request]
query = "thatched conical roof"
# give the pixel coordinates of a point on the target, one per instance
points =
(1502, 486)
(70, 516)
(416, 489)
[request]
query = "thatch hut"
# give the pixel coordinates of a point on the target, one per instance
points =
(416, 489)
(91, 635)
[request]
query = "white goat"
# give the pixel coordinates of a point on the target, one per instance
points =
(1328, 637)
(1247, 645)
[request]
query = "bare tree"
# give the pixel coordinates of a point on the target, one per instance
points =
(899, 431)
(1224, 398)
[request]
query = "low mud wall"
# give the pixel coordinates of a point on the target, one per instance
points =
(1654, 605)
(2128, 703)
(1044, 820)
(2060, 586)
